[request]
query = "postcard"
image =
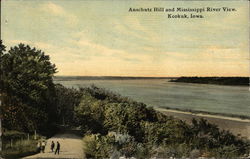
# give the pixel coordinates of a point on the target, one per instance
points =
(122, 79)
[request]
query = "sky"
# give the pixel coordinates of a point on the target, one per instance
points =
(102, 38)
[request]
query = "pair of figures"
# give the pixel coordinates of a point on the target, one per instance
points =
(57, 147)
(41, 146)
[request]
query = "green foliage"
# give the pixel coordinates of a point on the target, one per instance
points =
(167, 151)
(18, 144)
(20, 149)
(89, 114)
(170, 132)
(125, 118)
(26, 88)
(31, 101)
(98, 146)
(2, 50)
(27, 73)
(153, 133)
(8, 135)
(66, 99)
(106, 95)
(20, 116)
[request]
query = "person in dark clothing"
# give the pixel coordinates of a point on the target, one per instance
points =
(52, 146)
(57, 148)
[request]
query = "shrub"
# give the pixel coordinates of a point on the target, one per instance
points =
(143, 132)
(19, 149)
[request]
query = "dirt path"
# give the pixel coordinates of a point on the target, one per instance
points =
(71, 147)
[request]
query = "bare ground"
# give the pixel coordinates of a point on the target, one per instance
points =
(71, 148)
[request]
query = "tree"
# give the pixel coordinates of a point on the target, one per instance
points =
(89, 114)
(26, 75)
(66, 100)
(2, 50)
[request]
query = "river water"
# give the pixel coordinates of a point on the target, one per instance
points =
(162, 93)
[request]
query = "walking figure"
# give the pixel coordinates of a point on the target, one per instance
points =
(43, 145)
(57, 148)
(52, 146)
(39, 146)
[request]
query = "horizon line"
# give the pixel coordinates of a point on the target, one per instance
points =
(143, 76)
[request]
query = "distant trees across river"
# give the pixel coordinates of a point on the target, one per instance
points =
(241, 81)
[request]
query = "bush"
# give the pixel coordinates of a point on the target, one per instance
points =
(14, 135)
(19, 149)
(113, 144)
(143, 132)
(195, 153)
(96, 146)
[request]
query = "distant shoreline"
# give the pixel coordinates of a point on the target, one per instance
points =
(228, 81)
(207, 114)
(235, 125)
(67, 78)
(198, 80)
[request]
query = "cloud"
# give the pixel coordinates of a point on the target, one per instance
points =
(133, 23)
(56, 10)
(95, 41)
(82, 41)
(223, 55)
